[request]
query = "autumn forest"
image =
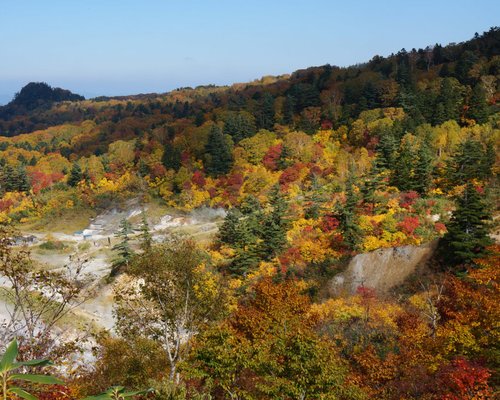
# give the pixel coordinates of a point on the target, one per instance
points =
(327, 234)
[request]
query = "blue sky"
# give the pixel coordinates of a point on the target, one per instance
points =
(116, 47)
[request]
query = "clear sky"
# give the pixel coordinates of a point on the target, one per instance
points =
(116, 47)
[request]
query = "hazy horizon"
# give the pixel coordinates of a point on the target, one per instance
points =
(118, 48)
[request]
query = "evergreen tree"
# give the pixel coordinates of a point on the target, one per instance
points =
(470, 161)
(439, 114)
(15, 179)
(403, 173)
(250, 206)
(240, 231)
(228, 232)
(219, 157)
(246, 259)
(467, 236)
(8, 178)
(265, 112)
(239, 125)
(273, 226)
(347, 215)
(75, 175)
(423, 169)
(315, 200)
(246, 247)
(143, 168)
(376, 180)
(386, 151)
(145, 237)
(122, 248)
(284, 158)
(451, 98)
(464, 65)
(22, 181)
(444, 71)
(288, 109)
(478, 108)
(171, 158)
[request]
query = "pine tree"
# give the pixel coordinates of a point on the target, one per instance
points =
(143, 168)
(171, 158)
(423, 169)
(478, 108)
(246, 259)
(228, 232)
(22, 181)
(347, 215)
(439, 114)
(470, 161)
(315, 200)
(145, 237)
(240, 231)
(284, 158)
(123, 249)
(288, 109)
(265, 113)
(386, 151)
(403, 172)
(376, 180)
(273, 226)
(467, 236)
(15, 179)
(450, 96)
(250, 206)
(239, 125)
(219, 157)
(9, 179)
(75, 175)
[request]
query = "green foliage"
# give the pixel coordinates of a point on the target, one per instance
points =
(171, 158)
(145, 237)
(347, 214)
(268, 349)
(374, 181)
(423, 169)
(75, 175)
(125, 362)
(118, 393)
(254, 233)
(386, 151)
(449, 101)
(467, 236)
(315, 201)
(478, 108)
(53, 245)
(239, 125)
(8, 366)
(403, 173)
(177, 297)
(219, 158)
(470, 161)
(273, 226)
(14, 179)
(264, 115)
(122, 248)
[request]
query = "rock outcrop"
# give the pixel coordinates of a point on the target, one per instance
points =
(381, 269)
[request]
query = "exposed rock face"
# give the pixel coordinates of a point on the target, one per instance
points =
(381, 269)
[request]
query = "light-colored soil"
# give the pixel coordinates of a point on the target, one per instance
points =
(95, 239)
(382, 269)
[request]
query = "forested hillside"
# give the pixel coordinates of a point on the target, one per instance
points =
(311, 168)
